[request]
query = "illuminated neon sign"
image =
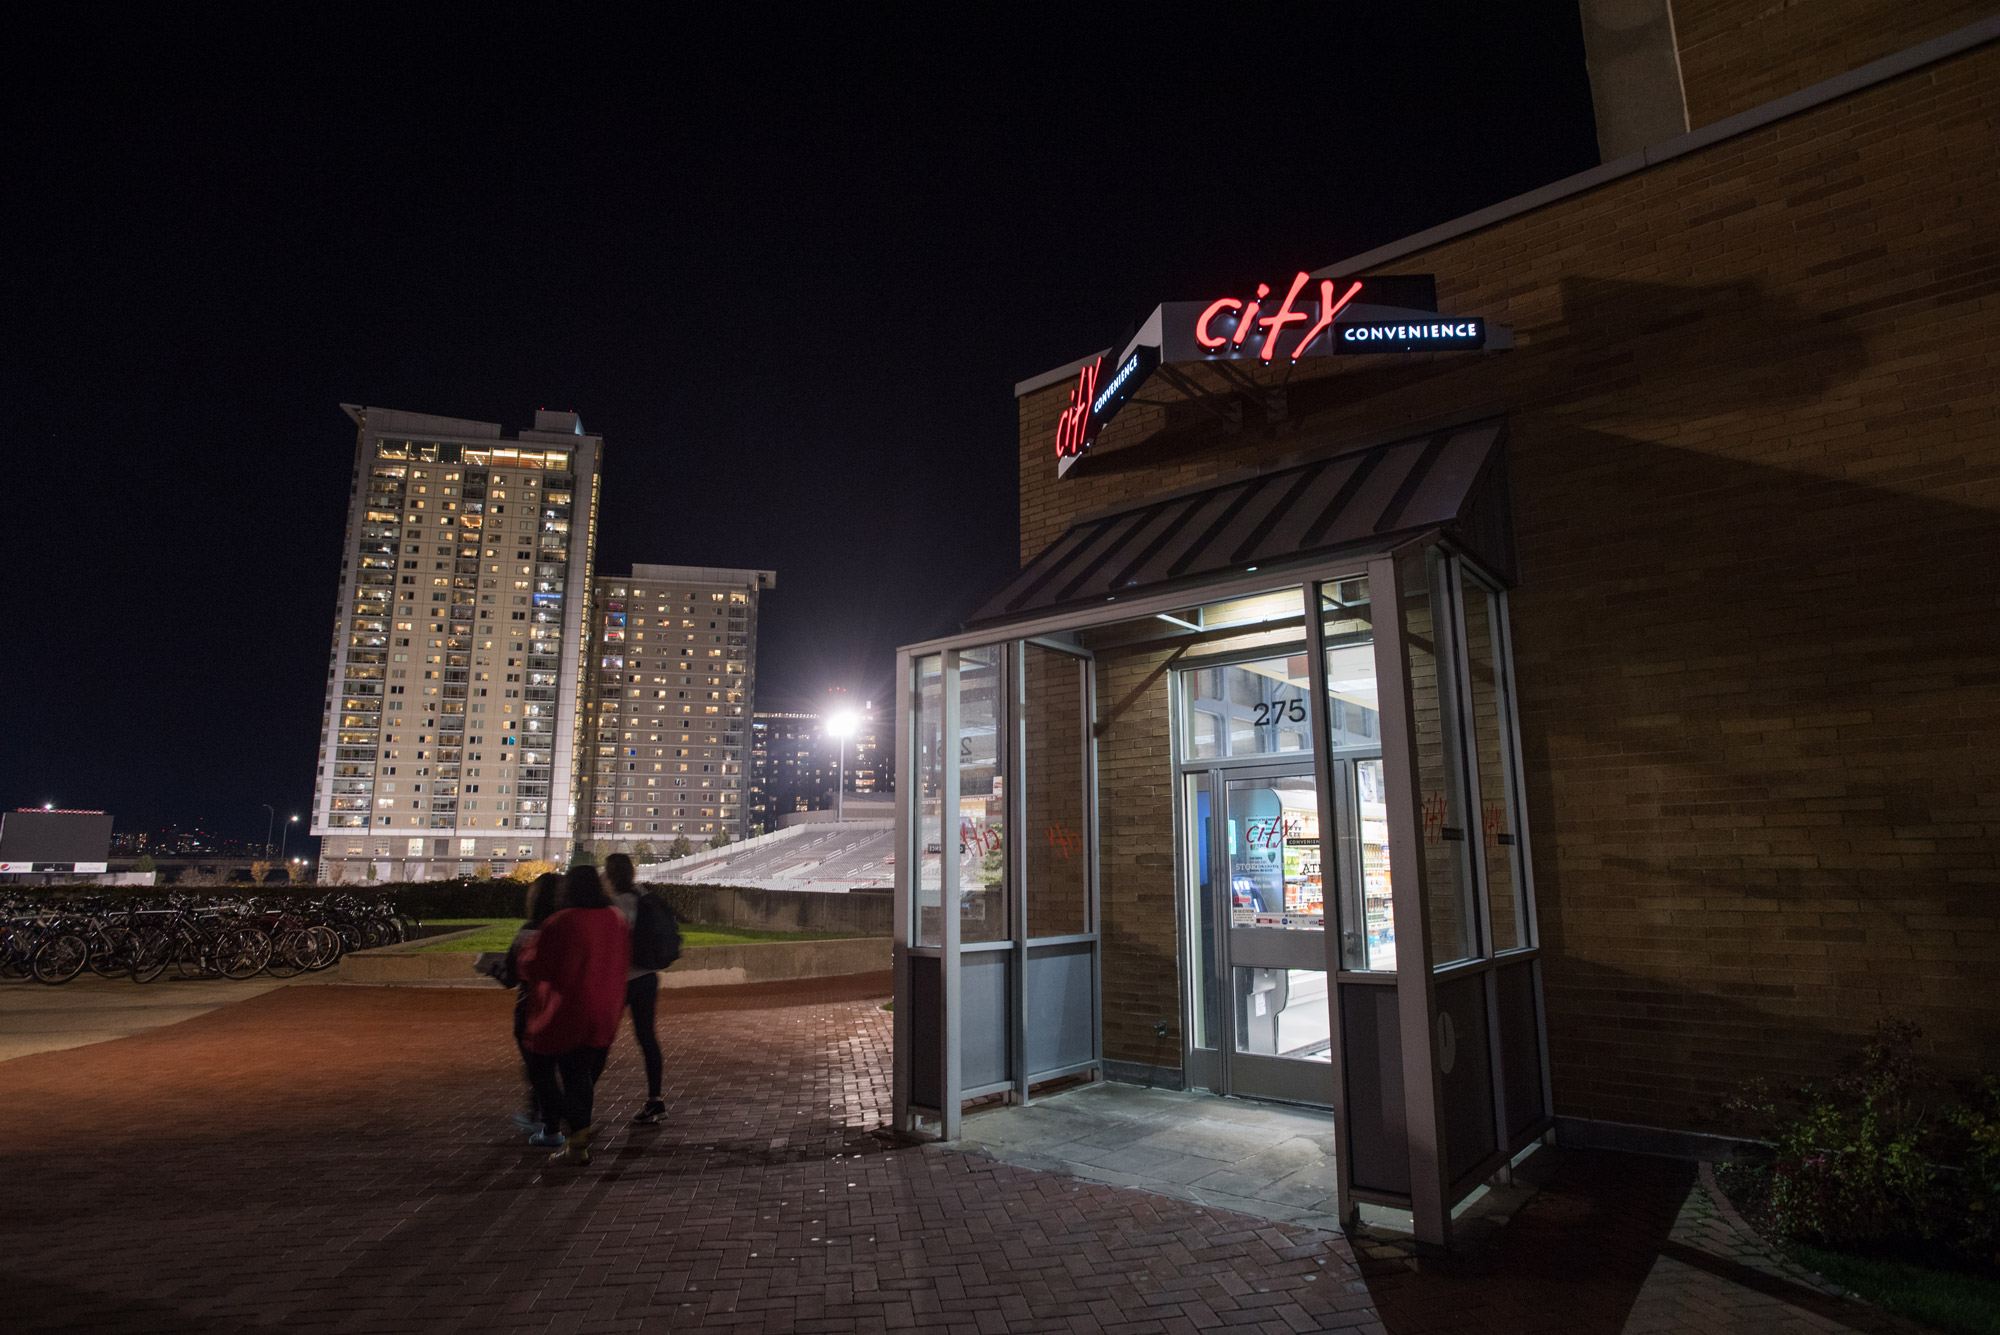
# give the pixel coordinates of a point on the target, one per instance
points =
(1095, 400)
(1315, 317)
(1206, 328)
(1073, 429)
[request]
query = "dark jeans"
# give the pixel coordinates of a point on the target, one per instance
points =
(521, 1045)
(642, 994)
(567, 1082)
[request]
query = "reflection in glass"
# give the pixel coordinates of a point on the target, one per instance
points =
(1247, 709)
(1272, 835)
(1375, 909)
(1360, 870)
(1492, 754)
(1053, 730)
(981, 857)
(1283, 1013)
(1207, 1000)
(1441, 803)
(930, 796)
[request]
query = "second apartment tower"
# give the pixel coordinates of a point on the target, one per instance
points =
(675, 659)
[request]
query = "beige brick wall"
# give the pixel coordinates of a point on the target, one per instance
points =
(1756, 474)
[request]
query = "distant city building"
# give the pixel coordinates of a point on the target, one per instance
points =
(674, 656)
(795, 765)
(449, 739)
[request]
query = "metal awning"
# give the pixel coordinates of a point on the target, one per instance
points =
(1367, 498)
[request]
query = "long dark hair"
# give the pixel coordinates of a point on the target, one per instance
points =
(545, 896)
(582, 889)
(618, 871)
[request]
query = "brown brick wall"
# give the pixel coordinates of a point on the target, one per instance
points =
(1136, 890)
(1756, 475)
(1738, 54)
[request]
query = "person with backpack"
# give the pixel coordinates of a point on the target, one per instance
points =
(656, 943)
(577, 968)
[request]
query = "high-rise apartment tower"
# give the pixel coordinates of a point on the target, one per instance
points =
(450, 736)
(674, 652)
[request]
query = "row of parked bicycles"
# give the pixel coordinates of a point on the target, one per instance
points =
(52, 941)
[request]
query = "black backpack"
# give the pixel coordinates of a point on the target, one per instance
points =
(656, 934)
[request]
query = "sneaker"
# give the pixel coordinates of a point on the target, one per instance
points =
(577, 1152)
(651, 1113)
(543, 1140)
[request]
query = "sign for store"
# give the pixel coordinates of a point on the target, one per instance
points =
(1307, 317)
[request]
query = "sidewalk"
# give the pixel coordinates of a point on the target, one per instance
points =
(338, 1159)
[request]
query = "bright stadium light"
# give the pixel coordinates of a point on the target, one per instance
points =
(840, 727)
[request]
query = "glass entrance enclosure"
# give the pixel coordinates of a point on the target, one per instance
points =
(1331, 756)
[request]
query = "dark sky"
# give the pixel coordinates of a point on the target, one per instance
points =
(789, 272)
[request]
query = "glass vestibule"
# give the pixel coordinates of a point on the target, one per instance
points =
(996, 908)
(1351, 935)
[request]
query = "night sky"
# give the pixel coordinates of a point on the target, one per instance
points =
(789, 271)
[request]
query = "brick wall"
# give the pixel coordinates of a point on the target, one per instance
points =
(1756, 475)
(1136, 890)
(1738, 54)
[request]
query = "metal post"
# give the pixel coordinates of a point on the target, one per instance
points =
(270, 818)
(949, 908)
(1014, 766)
(1330, 870)
(1415, 1003)
(908, 878)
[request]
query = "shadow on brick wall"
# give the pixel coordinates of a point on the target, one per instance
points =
(1760, 708)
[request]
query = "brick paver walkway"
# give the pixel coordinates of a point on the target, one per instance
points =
(337, 1159)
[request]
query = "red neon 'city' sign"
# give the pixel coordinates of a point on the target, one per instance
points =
(1073, 434)
(1274, 324)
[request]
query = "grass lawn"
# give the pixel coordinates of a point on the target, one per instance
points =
(1951, 1300)
(498, 933)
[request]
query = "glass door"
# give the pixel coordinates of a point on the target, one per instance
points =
(1258, 905)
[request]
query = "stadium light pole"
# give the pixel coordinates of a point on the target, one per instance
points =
(840, 727)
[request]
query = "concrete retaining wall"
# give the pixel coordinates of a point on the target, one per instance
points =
(859, 912)
(698, 966)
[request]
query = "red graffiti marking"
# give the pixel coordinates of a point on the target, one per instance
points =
(1433, 812)
(1064, 840)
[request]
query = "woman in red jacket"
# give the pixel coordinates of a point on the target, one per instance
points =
(576, 974)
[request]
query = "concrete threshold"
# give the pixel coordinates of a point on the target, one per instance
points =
(1266, 1160)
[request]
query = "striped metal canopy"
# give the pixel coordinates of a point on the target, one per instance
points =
(1372, 498)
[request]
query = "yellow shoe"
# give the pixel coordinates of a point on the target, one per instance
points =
(576, 1150)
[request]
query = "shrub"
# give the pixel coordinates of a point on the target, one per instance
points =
(529, 870)
(1885, 1160)
(1971, 1196)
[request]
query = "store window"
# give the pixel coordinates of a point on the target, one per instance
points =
(1360, 850)
(981, 836)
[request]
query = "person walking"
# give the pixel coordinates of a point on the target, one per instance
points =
(576, 967)
(544, 898)
(642, 983)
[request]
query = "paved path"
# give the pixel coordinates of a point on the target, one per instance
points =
(336, 1159)
(88, 1009)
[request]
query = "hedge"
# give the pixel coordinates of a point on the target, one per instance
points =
(422, 899)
